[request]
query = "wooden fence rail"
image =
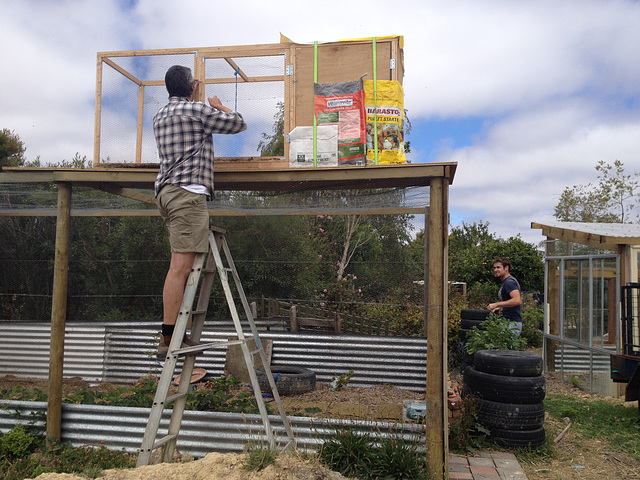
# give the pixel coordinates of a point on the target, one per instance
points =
(311, 318)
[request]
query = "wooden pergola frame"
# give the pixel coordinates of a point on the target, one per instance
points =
(123, 181)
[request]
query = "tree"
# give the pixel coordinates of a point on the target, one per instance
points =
(11, 149)
(612, 200)
(273, 145)
(472, 249)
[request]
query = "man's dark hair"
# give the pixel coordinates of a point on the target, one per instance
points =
(504, 261)
(179, 81)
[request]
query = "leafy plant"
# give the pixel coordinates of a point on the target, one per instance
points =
(341, 380)
(17, 443)
(466, 432)
(496, 334)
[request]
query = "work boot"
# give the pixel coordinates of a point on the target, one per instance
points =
(163, 349)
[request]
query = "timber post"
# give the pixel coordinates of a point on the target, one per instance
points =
(58, 314)
(436, 296)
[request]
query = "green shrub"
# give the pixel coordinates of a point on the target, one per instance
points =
(17, 443)
(395, 458)
(348, 453)
(532, 319)
(356, 455)
(496, 334)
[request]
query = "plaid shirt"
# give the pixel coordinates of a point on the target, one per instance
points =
(183, 132)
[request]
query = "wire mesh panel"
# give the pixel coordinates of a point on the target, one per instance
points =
(131, 90)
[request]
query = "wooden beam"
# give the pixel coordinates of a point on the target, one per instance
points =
(58, 314)
(437, 445)
(605, 242)
(98, 115)
(280, 179)
(128, 193)
(140, 121)
(236, 68)
(121, 70)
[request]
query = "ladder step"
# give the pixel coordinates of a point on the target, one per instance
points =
(163, 440)
(205, 346)
(171, 398)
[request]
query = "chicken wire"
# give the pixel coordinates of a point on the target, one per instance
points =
(27, 196)
(131, 90)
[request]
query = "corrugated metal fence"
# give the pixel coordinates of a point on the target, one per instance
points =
(201, 432)
(122, 353)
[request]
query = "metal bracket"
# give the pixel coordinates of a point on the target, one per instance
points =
(392, 64)
(289, 70)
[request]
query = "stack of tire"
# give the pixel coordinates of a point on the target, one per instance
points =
(508, 388)
(469, 318)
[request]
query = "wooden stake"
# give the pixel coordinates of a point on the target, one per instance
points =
(58, 314)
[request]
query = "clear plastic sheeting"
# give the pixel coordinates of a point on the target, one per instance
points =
(16, 197)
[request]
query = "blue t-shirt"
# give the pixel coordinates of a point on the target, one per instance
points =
(508, 285)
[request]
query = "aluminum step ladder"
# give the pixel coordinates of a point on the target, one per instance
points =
(206, 265)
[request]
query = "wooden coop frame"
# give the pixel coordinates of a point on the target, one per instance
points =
(340, 61)
(328, 62)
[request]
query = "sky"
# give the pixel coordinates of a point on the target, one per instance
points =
(526, 96)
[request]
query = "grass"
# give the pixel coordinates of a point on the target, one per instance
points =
(616, 425)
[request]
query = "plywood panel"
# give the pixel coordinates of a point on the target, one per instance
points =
(340, 62)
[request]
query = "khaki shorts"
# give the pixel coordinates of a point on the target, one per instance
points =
(187, 218)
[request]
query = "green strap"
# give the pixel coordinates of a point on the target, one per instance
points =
(375, 102)
(315, 120)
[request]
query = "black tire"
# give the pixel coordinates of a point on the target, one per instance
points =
(289, 380)
(463, 356)
(512, 363)
(510, 416)
(468, 324)
(472, 314)
(462, 335)
(518, 438)
(502, 389)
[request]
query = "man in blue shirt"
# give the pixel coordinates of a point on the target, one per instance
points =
(509, 295)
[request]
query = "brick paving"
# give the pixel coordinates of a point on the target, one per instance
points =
(486, 466)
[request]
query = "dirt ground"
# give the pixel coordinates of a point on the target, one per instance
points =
(576, 457)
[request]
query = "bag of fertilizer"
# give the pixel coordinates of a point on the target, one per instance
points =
(342, 104)
(388, 105)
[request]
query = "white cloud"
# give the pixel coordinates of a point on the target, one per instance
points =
(557, 83)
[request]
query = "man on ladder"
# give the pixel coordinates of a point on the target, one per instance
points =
(183, 129)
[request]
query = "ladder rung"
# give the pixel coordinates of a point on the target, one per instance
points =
(171, 398)
(163, 440)
(205, 346)
(198, 312)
